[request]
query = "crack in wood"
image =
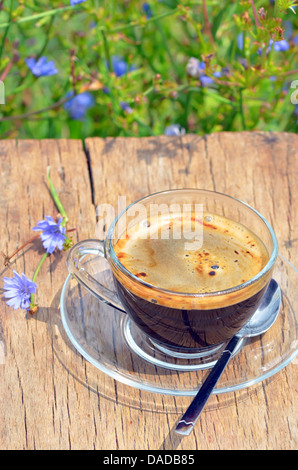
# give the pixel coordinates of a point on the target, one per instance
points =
(90, 173)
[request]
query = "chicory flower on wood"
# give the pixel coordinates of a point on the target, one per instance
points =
(18, 290)
(53, 233)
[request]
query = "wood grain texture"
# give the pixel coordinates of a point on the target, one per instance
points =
(51, 397)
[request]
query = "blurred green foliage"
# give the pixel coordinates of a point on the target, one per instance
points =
(251, 88)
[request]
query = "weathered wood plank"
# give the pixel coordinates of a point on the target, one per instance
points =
(37, 390)
(50, 397)
(259, 168)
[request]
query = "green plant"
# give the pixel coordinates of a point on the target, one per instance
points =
(131, 68)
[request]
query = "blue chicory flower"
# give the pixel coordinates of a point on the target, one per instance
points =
(240, 38)
(125, 106)
(75, 2)
(53, 233)
(147, 10)
(196, 69)
(41, 67)
(119, 66)
(79, 104)
(18, 290)
(174, 129)
(281, 46)
(296, 113)
(206, 81)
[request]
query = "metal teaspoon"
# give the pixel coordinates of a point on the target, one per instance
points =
(261, 321)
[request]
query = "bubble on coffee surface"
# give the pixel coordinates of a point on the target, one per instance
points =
(228, 254)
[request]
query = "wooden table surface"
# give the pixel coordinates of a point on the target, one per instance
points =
(50, 396)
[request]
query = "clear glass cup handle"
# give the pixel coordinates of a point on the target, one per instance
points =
(74, 259)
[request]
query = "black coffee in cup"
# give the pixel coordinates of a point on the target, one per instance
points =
(223, 254)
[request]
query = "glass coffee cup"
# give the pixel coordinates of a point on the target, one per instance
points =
(189, 267)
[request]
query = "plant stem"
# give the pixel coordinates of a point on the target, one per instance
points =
(63, 9)
(255, 13)
(7, 70)
(144, 125)
(39, 266)
(39, 111)
(167, 48)
(8, 258)
(72, 71)
(207, 23)
(187, 107)
(57, 199)
(7, 28)
(141, 25)
(213, 94)
(107, 50)
(47, 38)
(242, 110)
(33, 306)
(38, 16)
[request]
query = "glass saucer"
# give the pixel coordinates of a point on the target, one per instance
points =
(107, 339)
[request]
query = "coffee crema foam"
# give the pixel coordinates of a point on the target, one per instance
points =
(159, 251)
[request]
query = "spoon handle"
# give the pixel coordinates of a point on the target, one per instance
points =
(192, 414)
